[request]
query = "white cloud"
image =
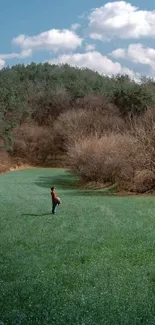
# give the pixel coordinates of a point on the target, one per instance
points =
(75, 26)
(90, 47)
(2, 64)
(122, 20)
(95, 61)
(118, 54)
(53, 40)
(23, 54)
(115, 19)
(96, 36)
(137, 53)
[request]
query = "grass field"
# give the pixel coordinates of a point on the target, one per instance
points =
(91, 264)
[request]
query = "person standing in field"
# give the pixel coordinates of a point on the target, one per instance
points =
(55, 200)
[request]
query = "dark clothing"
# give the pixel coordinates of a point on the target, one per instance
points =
(54, 206)
(55, 202)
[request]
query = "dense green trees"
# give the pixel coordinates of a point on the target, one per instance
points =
(39, 93)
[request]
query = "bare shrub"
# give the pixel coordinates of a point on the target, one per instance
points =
(144, 180)
(73, 125)
(93, 102)
(113, 158)
(5, 162)
(32, 143)
(143, 129)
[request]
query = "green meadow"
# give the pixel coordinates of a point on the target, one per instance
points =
(93, 263)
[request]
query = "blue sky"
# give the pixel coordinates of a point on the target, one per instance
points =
(111, 37)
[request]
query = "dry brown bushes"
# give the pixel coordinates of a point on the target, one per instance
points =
(5, 162)
(101, 147)
(126, 159)
(33, 144)
(75, 125)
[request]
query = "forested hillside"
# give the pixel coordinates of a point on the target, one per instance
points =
(103, 127)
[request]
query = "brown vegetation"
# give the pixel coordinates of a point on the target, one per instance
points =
(75, 125)
(99, 145)
(102, 128)
(125, 158)
(5, 162)
(32, 143)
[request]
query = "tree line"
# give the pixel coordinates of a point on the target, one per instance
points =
(48, 111)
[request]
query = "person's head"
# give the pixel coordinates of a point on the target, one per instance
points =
(52, 188)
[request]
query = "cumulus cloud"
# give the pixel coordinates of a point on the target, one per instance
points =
(75, 26)
(22, 55)
(115, 19)
(118, 53)
(95, 61)
(120, 19)
(2, 64)
(137, 53)
(90, 47)
(53, 40)
(96, 36)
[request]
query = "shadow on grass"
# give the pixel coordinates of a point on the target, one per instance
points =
(36, 215)
(71, 183)
(95, 192)
(64, 182)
